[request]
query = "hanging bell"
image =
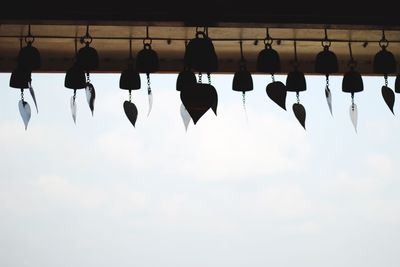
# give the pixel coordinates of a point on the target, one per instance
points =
(200, 54)
(268, 60)
(242, 81)
(384, 62)
(20, 78)
(352, 82)
(75, 78)
(130, 79)
(29, 57)
(397, 84)
(295, 81)
(326, 62)
(186, 79)
(88, 58)
(147, 60)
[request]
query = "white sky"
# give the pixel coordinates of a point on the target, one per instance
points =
(226, 193)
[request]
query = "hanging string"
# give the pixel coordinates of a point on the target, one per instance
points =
(22, 95)
(130, 95)
(130, 49)
(352, 101)
(200, 75)
(148, 84)
(209, 77)
(298, 97)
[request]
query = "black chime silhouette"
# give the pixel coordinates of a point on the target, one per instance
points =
(242, 80)
(326, 63)
(130, 80)
(296, 82)
(147, 62)
(88, 59)
(385, 63)
(200, 55)
(268, 61)
(21, 78)
(352, 83)
(186, 79)
(75, 79)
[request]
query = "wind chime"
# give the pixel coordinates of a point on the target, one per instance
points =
(88, 60)
(242, 80)
(75, 79)
(326, 63)
(352, 83)
(268, 61)
(21, 78)
(385, 63)
(296, 82)
(186, 79)
(130, 80)
(147, 62)
(200, 56)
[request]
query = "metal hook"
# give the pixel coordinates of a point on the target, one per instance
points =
(383, 43)
(87, 39)
(29, 38)
(268, 40)
(325, 42)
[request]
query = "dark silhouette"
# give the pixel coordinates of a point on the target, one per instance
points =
(385, 63)
(199, 99)
(200, 54)
(130, 80)
(296, 82)
(186, 79)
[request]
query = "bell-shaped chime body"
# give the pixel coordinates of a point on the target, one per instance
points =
(384, 62)
(130, 79)
(75, 78)
(242, 80)
(352, 82)
(326, 62)
(147, 60)
(88, 58)
(20, 78)
(29, 57)
(268, 60)
(295, 81)
(186, 79)
(200, 54)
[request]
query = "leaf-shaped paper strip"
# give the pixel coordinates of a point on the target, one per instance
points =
(277, 92)
(300, 113)
(354, 115)
(150, 96)
(185, 116)
(33, 97)
(73, 108)
(388, 96)
(25, 111)
(90, 96)
(131, 112)
(328, 96)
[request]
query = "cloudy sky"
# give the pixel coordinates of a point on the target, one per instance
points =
(228, 192)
